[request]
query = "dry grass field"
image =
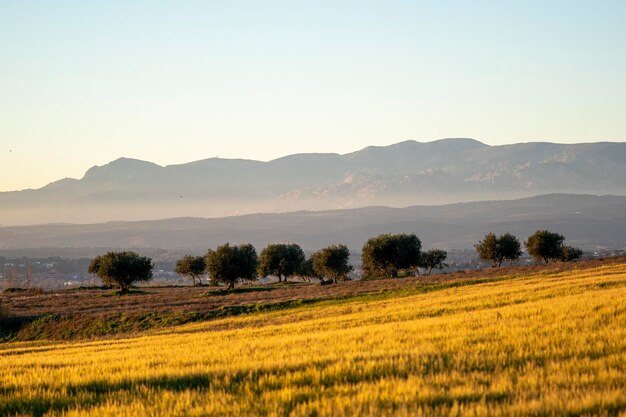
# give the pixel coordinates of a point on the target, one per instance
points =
(535, 342)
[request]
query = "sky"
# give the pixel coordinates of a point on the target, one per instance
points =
(83, 83)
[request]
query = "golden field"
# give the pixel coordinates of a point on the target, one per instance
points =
(541, 344)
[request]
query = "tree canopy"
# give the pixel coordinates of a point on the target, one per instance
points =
(121, 268)
(387, 254)
(227, 263)
(433, 259)
(192, 267)
(307, 270)
(332, 262)
(545, 246)
(569, 253)
(496, 249)
(282, 260)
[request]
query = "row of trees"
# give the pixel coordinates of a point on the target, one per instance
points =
(383, 256)
(542, 246)
(229, 263)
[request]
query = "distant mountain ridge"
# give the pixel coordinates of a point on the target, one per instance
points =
(403, 174)
(590, 222)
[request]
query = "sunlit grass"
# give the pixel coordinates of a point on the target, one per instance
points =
(540, 345)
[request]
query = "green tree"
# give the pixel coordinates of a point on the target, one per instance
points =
(433, 259)
(332, 262)
(569, 253)
(496, 249)
(248, 262)
(545, 246)
(387, 254)
(192, 267)
(227, 263)
(306, 270)
(487, 249)
(121, 269)
(282, 260)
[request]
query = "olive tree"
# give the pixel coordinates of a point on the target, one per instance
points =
(545, 246)
(433, 259)
(282, 260)
(569, 253)
(387, 254)
(306, 270)
(192, 267)
(121, 269)
(228, 263)
(332, 262)
(497, 249)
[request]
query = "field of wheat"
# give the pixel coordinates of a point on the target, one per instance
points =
(551, 343)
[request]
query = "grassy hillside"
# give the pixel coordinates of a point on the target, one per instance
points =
(88, 313)
(538, 344)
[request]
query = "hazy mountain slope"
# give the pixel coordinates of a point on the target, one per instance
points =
(407, 173)
(586, 221)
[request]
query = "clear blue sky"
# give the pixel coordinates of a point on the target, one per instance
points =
(83, 83)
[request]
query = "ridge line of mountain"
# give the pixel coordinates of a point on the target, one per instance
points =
(399, 175)
(587, 221)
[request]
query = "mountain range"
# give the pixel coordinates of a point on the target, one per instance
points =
(404, 174)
